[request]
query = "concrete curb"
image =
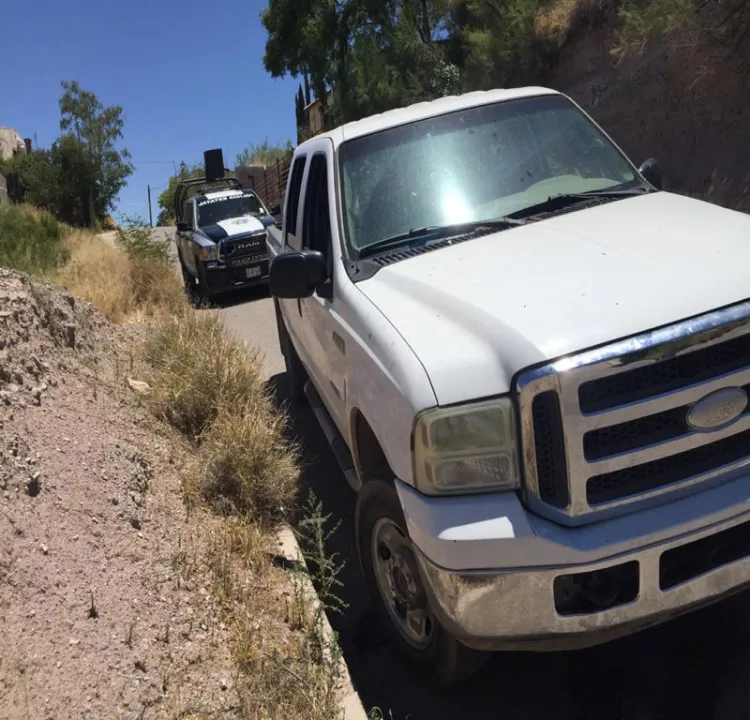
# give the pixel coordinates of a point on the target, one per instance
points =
(350, 703)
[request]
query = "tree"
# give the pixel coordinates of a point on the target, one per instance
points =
(299, 107)
(377, 54)
(166, 197)
(96, 130)
(263, 153)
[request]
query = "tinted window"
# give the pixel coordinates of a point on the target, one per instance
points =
(292, 203)
(474, 164)
(316, 219)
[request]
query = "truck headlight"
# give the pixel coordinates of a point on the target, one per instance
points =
(208, 253)
(466, 449)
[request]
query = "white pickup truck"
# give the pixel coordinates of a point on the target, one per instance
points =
(533, 366)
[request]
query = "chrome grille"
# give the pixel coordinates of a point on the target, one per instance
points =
(605, 431)
(242, 246)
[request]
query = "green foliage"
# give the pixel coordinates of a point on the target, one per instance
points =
(376, 54)
(140, 243)
(166, 197)
(30, 240)
(263, 154)
(499, 43)
(642, 19)
(78, 178)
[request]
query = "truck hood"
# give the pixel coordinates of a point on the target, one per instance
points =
(233, 227)
(477, 312)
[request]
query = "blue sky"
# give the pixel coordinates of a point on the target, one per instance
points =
(156, 59)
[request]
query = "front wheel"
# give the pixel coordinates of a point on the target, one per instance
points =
(205, 295)
(187, 279)
(392, 576)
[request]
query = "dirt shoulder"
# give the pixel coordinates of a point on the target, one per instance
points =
(118, 598)
(96, 619)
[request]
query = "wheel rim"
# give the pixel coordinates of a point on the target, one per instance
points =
(400, 584)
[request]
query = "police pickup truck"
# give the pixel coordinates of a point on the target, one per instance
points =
(221, 236)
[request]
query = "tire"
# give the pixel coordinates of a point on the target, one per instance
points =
(381, 531)
(296, 377)
(205, 296)
(188, 280)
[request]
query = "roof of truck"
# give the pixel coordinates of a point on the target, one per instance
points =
(422, 110)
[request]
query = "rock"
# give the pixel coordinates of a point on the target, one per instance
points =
(223, 684)
(138, 386)
(135, 522)
(70, 335)
(44, 549)
(34, 484)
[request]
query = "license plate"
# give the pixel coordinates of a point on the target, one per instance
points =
(252, 272)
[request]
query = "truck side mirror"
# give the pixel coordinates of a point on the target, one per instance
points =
(182, 227)
(274, 210)
(652, 172)
(295, 275)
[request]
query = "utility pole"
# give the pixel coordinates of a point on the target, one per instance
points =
(150, 217)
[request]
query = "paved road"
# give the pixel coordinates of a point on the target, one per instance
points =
(697, 667)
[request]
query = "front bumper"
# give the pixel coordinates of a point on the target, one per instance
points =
(517, 609)
(224, 278)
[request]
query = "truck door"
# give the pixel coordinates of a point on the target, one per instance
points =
(323, 335)
(291, 241)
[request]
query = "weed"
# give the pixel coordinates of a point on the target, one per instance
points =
(140, 243)
(130, 634)
(92, 612)
(313, 536)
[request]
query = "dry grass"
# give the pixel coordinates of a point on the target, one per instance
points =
(285, 667)
(210, 387)
(247, 463)
(123, 288)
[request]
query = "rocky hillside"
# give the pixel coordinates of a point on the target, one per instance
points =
(683, 100)
(99, 614)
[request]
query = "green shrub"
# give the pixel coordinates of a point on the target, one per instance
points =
(138, 241)
(31, 240)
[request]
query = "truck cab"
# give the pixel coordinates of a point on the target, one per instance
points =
(220, 236)
(533, 366)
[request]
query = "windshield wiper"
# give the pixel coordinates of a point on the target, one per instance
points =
(561, 200)
(435, 232)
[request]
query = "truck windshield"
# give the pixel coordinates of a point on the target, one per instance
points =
(475, 164)
(215, 210)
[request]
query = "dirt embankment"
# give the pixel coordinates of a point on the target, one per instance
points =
(102, 611)
(683, 101)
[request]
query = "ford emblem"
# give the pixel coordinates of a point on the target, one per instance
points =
(717, 409)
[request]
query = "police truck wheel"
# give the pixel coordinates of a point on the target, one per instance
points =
(204, 291)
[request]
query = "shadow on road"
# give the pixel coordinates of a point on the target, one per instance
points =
(228, 300)
(695, 667)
